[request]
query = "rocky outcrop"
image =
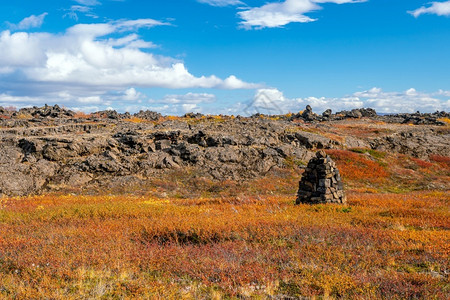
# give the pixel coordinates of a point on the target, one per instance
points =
(357, 113)
(321, 182)
(417, 142)
(418, 118)
(70, 155)
(51, 148)
(148, 115)
(46, 112)
(309, 116)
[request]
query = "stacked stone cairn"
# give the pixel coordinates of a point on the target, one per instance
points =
(321, 182)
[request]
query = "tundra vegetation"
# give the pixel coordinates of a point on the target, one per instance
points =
(180, 235)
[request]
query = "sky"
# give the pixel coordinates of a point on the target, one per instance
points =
(226, 56)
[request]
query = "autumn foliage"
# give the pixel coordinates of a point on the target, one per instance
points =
(357, 167)
(379, 246)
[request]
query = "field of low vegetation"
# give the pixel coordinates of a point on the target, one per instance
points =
(183, 237)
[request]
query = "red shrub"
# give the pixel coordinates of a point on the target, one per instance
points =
(422, 163)
(354, 166)
(444, 160)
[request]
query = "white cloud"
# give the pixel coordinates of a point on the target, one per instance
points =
(131, 41)
(278, 14)
(407, 101)
(80, 8)
(221, 3)
(85, 7)
(189, 98)
(266, 101)
(234, 83)
(90, 100)
(437, 8)
(132, 95)
(86, 61)
(177, 104)
(443, 93)
(88, 2)
(273, 101)
(29, 22)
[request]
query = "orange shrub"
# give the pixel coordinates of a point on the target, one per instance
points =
(134, 120)
(81, 115)
(445, 120)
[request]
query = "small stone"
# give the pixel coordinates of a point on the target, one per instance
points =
(321, 154)
(322, 189)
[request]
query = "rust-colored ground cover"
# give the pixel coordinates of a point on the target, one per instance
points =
(381, 245)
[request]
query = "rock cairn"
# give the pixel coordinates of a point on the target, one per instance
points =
(321, 182)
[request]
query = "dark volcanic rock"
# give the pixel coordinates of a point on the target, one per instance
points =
(326, 115)
(418, 118)
(358, 113)
(194, 115)
(108, 114)
(148, 115)
(417, 142)
(46, 112)
(308, 114)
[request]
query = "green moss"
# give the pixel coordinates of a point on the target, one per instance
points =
(292, 162)
(374, 153)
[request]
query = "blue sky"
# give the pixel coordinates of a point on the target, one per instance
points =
(226, 56)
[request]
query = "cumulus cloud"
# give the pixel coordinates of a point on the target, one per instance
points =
(278, 14)
(221, 3)
(29, 22)
(437, 8)
(92, 60)
(273, 101)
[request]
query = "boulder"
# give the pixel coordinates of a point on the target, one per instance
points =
(308, 114)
